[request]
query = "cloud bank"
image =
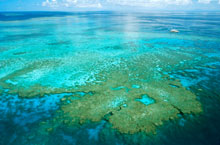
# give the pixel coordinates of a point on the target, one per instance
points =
(204, 1)
(130, 3)
(72, 3)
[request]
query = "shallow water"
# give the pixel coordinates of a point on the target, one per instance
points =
(109, 78)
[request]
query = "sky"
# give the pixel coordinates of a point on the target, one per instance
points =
(99, 5)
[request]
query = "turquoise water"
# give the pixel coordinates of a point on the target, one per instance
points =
(45, 57)
(145, 99)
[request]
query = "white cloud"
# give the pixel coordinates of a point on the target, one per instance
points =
(45, 3)
(74, 3)
(50, 3)
(68, 3)
(149, 3)
(138, 3)
(83, 3)
(204, 1)
(96, 5)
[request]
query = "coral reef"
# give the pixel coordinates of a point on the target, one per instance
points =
(136, 94)
(115, 97)
(127, 114)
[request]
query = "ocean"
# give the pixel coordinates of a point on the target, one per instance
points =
(109, 78)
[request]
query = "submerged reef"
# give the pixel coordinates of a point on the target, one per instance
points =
(133, 90)
(135, 95)
(121, 109)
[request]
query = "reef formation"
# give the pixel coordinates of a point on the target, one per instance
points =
(136, 94)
